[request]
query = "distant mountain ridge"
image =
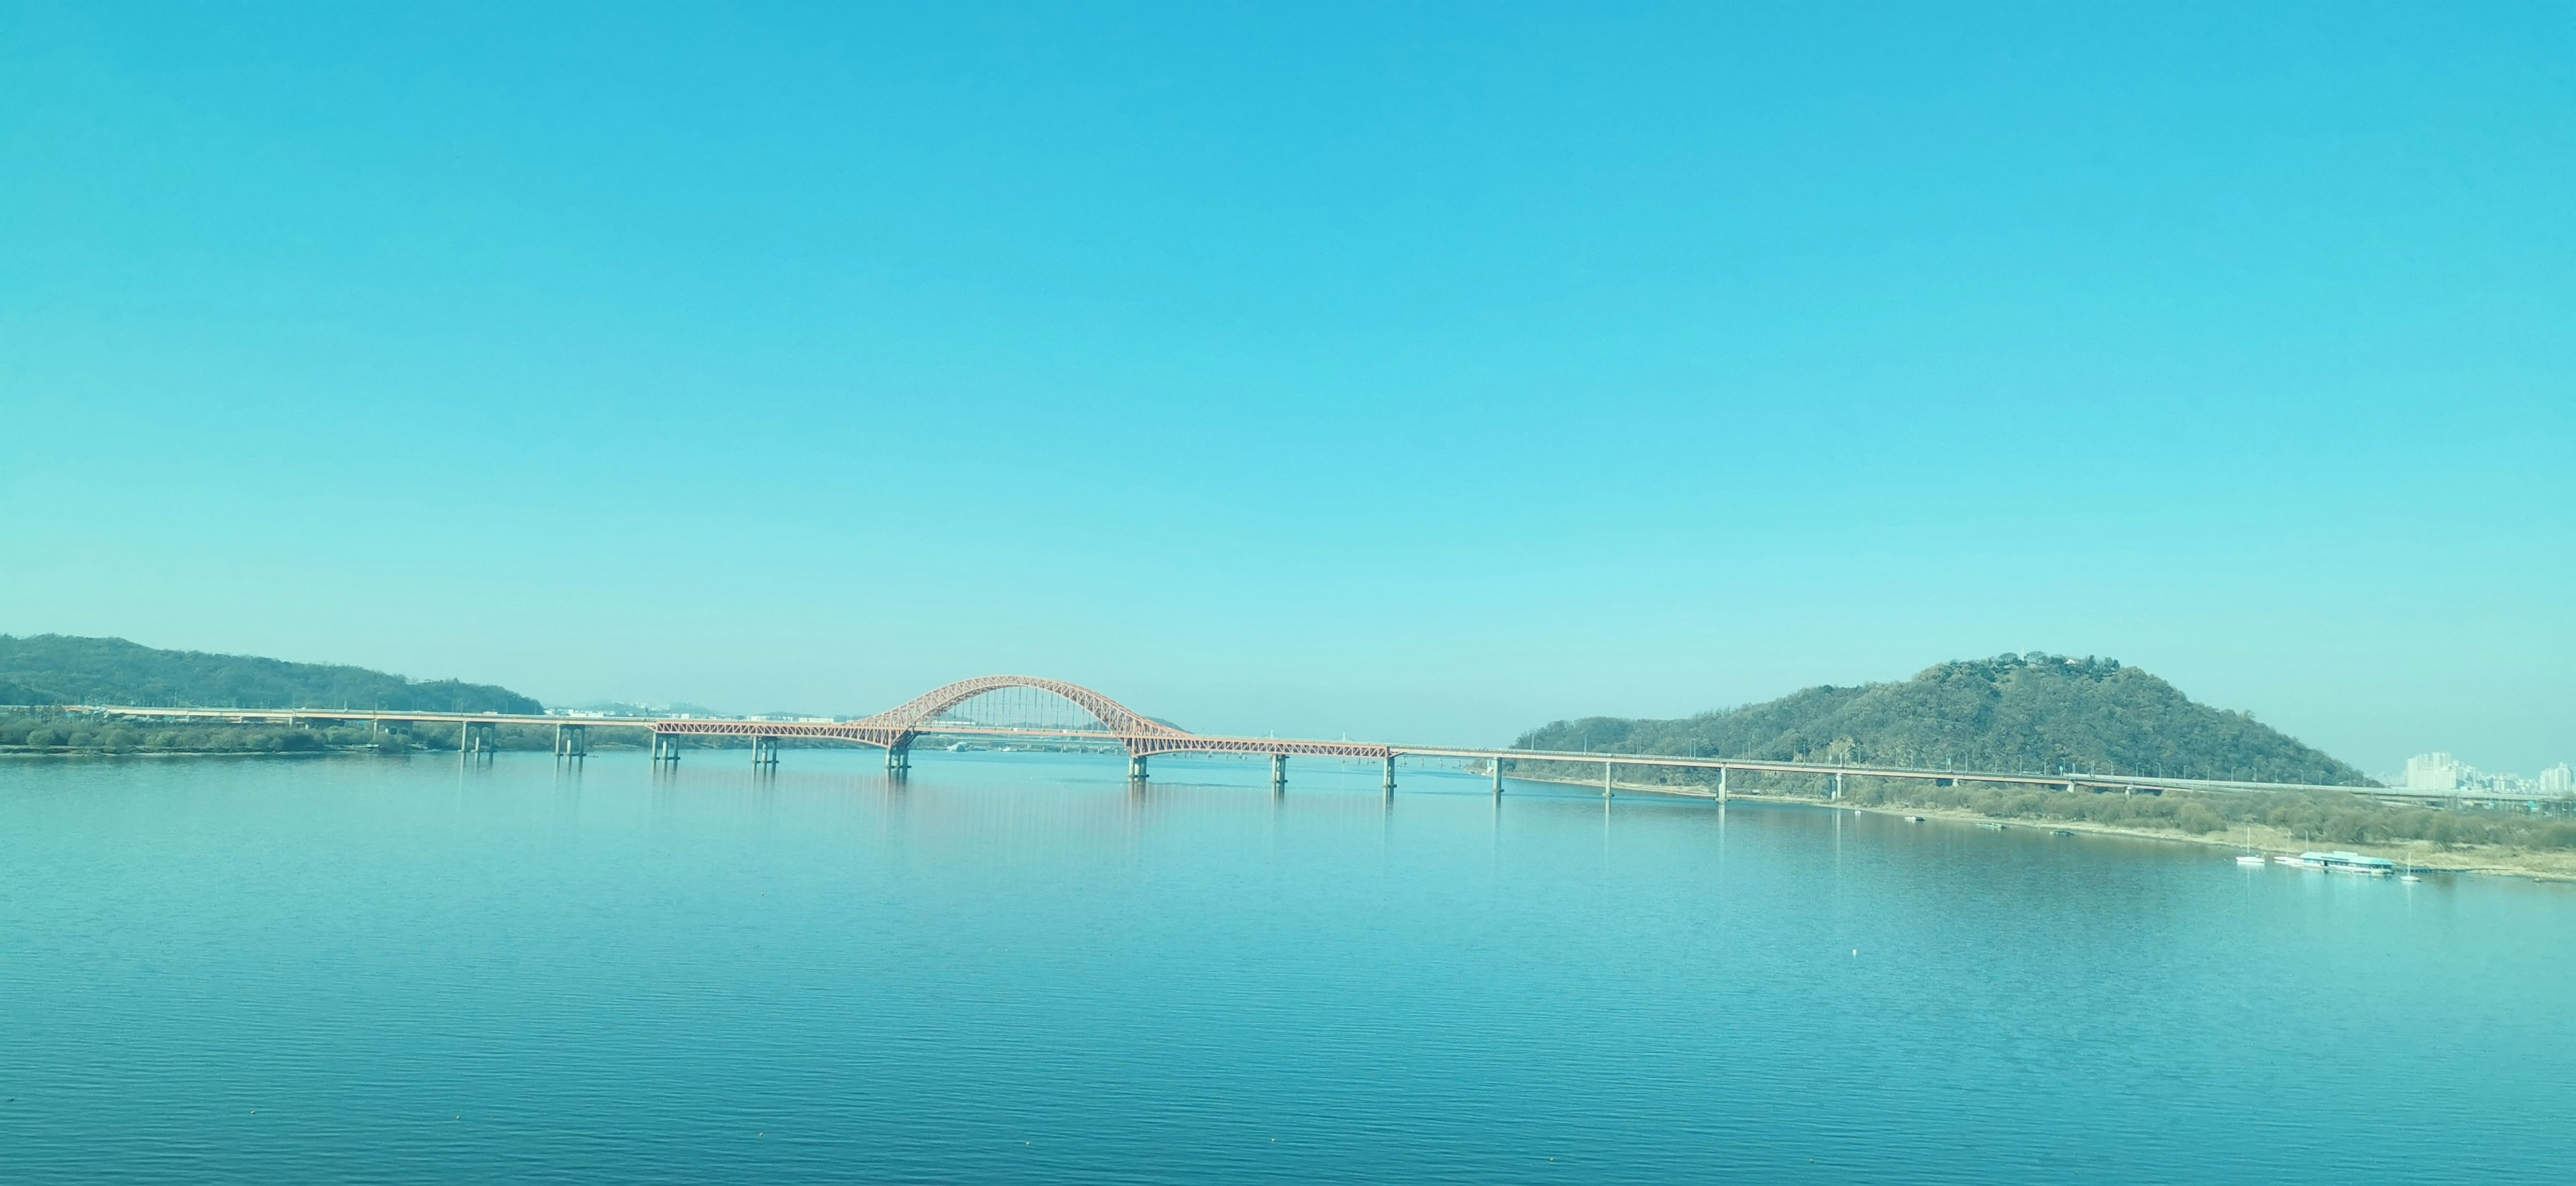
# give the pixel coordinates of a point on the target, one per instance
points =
(2034, 712)
(63, 669)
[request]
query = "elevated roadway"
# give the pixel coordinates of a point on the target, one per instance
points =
(1105, 722)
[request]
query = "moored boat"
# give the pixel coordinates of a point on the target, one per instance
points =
(2348, 862)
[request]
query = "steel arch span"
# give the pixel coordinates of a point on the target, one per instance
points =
(896, 728)
(922, 711)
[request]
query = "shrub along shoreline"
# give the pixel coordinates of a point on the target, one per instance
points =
(50, 732)
(44, 732)
(2518, 843)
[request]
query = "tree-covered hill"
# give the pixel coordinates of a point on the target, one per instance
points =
(60, 669)
(2030, 712)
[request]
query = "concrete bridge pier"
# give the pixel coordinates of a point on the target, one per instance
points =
(1721, 784)
(1838, 786)
(764, 753)
(475, 739)
(1605, 780)
(1278, 772)
(572, 742)
(1498, 776)
(898, 759)
(1390, 774)
(1136, 766)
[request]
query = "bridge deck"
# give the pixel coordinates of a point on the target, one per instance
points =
(877, 731)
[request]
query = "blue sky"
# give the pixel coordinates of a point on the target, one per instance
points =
(1416, 372)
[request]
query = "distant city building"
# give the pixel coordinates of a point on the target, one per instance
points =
(2442, 774)
(2433, 772)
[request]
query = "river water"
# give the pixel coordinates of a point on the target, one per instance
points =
(1014, 967)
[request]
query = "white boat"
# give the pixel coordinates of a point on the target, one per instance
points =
(2348, 862)
(2249, 856)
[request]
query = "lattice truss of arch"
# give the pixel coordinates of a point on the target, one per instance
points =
(1018, 701)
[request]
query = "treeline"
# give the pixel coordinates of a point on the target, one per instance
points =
(2319, 817)
(50, 731)
(42, 731)
(2316, 817)
(48, 669)
(2013, 713)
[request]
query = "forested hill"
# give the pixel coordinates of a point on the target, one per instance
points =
(2012, 712)
(59, 669)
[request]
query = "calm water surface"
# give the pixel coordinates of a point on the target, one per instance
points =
(1011, 968)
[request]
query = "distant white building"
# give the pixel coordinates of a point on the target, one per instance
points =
(2442, 774)
(2432, 772)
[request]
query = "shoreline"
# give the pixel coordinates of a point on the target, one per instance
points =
(2488, 861)
(2483, 860)
(351, 752)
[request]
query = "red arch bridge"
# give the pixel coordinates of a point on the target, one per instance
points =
(1044, 711)
(1020, 707)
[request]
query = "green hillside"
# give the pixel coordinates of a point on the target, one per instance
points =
(2034, 712)
(60, 669)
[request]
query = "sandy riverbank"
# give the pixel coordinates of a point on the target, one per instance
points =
(2538, 865)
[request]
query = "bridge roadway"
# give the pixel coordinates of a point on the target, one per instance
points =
(896, 730)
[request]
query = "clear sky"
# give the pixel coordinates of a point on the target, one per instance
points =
(1414, 372)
